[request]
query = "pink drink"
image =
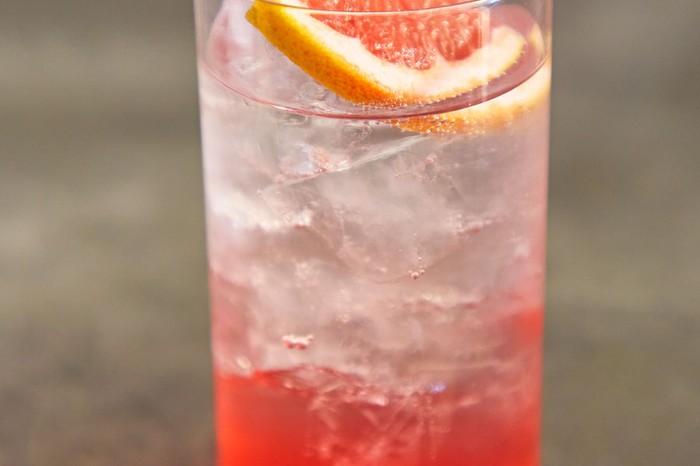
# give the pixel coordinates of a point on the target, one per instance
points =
(376, 293)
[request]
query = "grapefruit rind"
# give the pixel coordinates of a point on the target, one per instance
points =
(491, 115)
(343, 65)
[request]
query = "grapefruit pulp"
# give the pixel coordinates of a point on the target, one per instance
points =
(390, 52)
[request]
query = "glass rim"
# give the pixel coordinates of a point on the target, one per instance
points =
(458, 4)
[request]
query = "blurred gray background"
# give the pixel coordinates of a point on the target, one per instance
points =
(104, 356)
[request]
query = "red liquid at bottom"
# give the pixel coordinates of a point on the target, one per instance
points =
(311, 416)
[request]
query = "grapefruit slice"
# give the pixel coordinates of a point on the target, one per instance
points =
(386, 52)
(490, 115)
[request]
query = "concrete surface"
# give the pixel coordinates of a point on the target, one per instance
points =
(103, 321)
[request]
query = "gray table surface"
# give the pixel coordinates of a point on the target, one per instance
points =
(104, 355)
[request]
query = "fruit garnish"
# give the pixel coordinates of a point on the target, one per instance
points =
(487, 116)
(390, 52)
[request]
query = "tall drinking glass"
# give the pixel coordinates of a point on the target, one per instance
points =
(376, 183)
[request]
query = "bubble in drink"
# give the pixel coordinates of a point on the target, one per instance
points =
(300, 342)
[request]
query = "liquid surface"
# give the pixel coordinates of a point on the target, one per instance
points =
(262, 73)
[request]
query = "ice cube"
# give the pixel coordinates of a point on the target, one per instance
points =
(391, 214)
(382, 422)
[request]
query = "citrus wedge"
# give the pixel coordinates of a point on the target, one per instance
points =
(491, 115)
(388, 59)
